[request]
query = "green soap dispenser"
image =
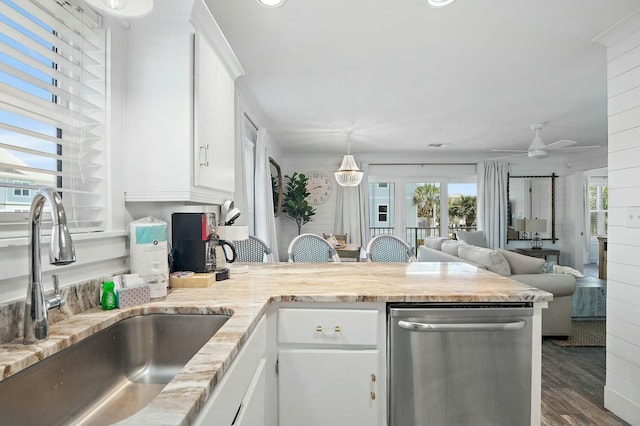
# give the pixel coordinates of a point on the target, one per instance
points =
(108, 296)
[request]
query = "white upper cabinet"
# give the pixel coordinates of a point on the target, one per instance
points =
(180, 110)
(214, 111)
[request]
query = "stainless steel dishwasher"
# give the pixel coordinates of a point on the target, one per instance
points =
(459, 364)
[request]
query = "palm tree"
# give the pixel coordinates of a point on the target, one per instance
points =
(426, 198)
(464, 207)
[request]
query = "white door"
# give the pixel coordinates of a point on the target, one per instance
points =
(327, 387)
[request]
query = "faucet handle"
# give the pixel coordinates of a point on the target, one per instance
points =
(56, 284)
(57, 300)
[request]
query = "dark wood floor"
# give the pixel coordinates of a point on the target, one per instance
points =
(573, 386)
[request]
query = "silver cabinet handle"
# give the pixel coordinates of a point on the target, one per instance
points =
(206, 155)
(494, 326)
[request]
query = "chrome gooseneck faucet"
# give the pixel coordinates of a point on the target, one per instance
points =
(61, 252)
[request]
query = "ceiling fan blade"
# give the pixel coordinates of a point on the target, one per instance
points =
(508, 156)
(559, 144)
(523, 151)
(571, 148)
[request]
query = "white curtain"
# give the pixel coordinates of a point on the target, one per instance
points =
(264, 217)
(492, 201)
(352, 211)
(586, 223)
(240, 194)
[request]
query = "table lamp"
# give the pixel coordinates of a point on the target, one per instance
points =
(533, 226)
(521, 226)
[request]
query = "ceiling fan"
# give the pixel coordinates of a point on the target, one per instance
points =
(538, 149)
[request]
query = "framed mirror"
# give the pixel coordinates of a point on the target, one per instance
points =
(276, 186)
(531, 197)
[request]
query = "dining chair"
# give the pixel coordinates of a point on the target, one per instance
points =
(388, 248)
(311, 248)
(253, 249)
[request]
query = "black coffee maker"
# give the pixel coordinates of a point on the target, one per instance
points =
(194, 244)
(192, 250)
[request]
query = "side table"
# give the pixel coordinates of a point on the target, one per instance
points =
(543, 253)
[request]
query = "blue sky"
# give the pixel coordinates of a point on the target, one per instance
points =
(12, 138)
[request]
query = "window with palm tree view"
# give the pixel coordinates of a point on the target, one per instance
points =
(424, 213)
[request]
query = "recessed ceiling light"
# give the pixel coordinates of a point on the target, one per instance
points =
(439, 3)
(271, 3)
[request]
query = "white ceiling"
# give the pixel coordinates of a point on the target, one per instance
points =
(473, 75)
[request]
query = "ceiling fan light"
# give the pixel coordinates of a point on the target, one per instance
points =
(115, 4)
(271, 3)
(439, 3)
(537, 153)
(348, 174)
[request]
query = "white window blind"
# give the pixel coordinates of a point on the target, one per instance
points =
(52, 109)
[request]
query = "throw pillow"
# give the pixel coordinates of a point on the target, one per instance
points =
(451, 247)
(475, 238)
(434, 242)
(491, 259)
(522, 264)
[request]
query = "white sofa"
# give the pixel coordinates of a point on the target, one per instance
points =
(556, 319)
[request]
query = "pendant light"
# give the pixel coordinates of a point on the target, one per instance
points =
(123, 8)
(348, 174)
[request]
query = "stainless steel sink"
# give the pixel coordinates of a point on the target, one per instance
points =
(109, 376)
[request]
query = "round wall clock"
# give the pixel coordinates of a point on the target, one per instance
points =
(319, 187)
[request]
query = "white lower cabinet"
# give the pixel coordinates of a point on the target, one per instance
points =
(239, 398)
(322, 365)
(331, 365)
(327, 387)
(252, 409)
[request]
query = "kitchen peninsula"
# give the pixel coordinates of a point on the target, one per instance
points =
(274, 301)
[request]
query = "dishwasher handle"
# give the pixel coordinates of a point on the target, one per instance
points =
(494, 326)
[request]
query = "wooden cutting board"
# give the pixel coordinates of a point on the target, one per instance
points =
(192, 281)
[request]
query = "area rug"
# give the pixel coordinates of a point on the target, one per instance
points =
(585, 333)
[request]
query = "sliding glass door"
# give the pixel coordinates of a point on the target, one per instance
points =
(422, 211)
(462, 207)
(412, 208)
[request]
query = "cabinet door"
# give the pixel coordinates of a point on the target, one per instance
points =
(320, 387)
(214, 125)
(252, 410)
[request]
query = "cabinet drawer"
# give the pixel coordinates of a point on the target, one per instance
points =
(328, 326)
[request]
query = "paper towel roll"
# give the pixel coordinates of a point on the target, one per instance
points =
(233, 233)
(149, 251)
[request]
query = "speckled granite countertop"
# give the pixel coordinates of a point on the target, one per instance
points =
(246, 297)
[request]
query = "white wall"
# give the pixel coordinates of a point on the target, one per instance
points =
(622, 390)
